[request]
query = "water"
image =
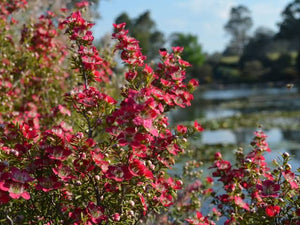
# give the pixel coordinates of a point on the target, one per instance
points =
(283, 131)
(246, 92)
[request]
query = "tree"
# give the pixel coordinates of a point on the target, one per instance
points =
(143, 28)
(238, 27)
(192, 51)
(289, 27)
(259, 45)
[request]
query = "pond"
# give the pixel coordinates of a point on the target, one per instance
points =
(231, 115)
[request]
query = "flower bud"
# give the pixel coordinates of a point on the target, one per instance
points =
(288, 167)
(131, 203)
(286, 155)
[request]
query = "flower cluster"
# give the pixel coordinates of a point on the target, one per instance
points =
(110, 165)
(252, 188)
(246, 192)
(9, 6)
(91, 65)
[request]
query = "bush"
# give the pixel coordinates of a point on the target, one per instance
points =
(86, 157)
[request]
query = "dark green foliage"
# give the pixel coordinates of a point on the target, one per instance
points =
(289, 27)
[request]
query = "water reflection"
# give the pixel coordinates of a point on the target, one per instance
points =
(245, 92)
(243, 137)
(283, 135)
(218, 137)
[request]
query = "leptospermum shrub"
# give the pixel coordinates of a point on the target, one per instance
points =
(72, 154)
(249, 192)
(84, 157)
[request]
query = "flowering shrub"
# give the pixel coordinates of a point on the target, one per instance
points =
(251, 192)
(85, 157)
(71, 153)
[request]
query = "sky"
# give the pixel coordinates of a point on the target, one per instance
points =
(204, 18)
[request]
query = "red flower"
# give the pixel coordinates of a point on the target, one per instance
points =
(137, 168)
(268, 188)
(20, 176)
(193, 83)
(272, 211)
(48, 183)
(4, 197)
(198, 127)
(64, 172)
(166, 199)
(28, 132)
(209, 180)
(118, 173)
(181, 129)
(82, 4)
(143, 201)
(96, 213)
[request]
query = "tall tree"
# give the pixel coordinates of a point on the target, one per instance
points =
(143, 28)
(289, 28)
(192, 51)
(238, 27)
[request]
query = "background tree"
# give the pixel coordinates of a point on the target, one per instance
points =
(143, 28)
(238, 27)
(192, 52)
(289, 27)
(258, 46)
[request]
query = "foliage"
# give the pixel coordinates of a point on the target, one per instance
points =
(288, 28)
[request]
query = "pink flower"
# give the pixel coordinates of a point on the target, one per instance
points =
(290, 178)
(116, 217)
(82, 4)
(143, 201)
(16, 190)
(239, 202)
(177, 49)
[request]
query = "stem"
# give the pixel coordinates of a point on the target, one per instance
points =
(96, 189)
(90, 131)
(10, 220)
(85, 80)
(82, 70)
